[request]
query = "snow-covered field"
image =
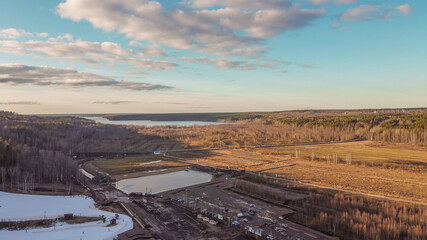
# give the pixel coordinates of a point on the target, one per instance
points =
(21, 207)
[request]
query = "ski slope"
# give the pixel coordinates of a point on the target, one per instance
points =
(22, 207)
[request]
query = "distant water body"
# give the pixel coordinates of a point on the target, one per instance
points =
(149, 123)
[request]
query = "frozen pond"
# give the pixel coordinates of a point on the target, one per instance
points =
(149, 123)
(163, 182)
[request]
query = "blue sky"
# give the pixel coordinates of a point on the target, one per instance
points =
(111, 56)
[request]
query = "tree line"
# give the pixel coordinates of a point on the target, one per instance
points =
(37, 150)
(388, 127)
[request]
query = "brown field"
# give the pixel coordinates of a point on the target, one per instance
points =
(396, 170)
(132, 164)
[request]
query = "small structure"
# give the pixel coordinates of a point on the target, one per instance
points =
(68, 216)
(136, 234)
(106, 202)
(237, 173)
(213, 222)
(113, 222)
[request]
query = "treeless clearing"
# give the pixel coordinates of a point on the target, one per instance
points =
(133, 164)
(357, 166)
(365, 153)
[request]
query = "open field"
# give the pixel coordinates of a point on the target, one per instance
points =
(358, 166)
(133, 164)
(362, 153)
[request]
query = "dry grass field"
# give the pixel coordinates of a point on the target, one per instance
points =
(132, 164)
(393, 170)
(362, 153)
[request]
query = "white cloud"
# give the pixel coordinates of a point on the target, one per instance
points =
(221, 63)
(212, 26)
(372, 12)
(20, 103)
(151, 64)
(12, 33)
(43, 35)
(337, 2)
(405, 9)
(83, 51)
(17, 74)
(361, 13)
(113, 102)
(224, 63)
(68, 36)
(245, 4)
(152, 51)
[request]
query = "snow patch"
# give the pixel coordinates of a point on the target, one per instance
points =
(22, 207)
(87, 174)
(152, 162)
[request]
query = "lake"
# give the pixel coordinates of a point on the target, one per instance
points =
(163, 182)
(149, 123)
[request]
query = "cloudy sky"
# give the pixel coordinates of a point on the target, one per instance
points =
(123, 56)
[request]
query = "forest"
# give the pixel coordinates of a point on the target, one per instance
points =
(348, 216)
(302, 127)
(36, 152)
(389, 127)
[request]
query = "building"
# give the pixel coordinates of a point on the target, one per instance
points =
(136, 234)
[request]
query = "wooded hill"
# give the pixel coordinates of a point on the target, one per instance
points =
(390, 127)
